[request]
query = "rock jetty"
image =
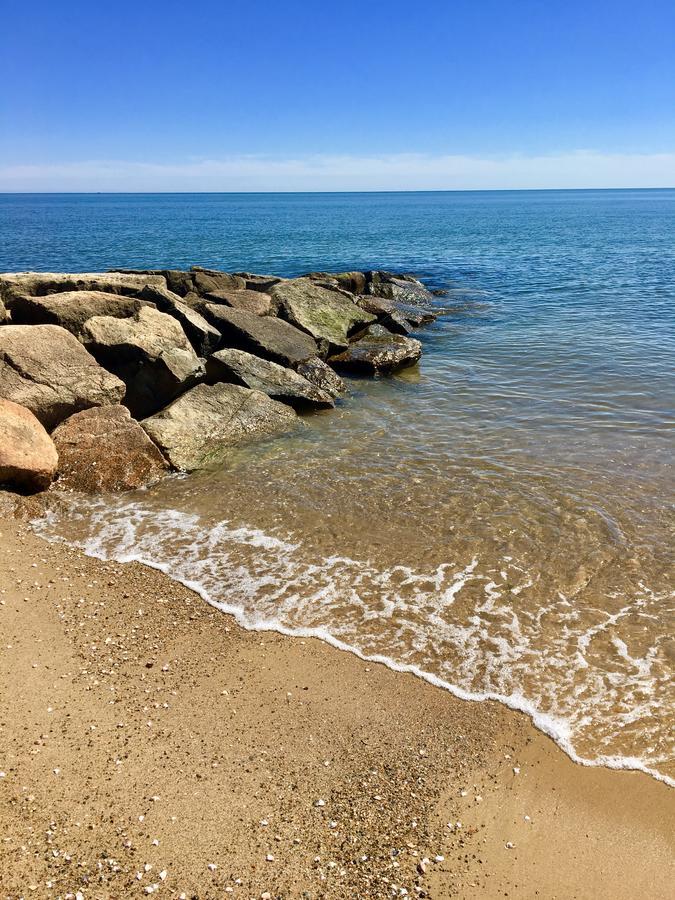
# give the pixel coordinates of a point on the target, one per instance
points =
(108, 380)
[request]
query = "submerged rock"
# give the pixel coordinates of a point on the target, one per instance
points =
(328, 315)
(203, 336)
(272, 379)
(13, 284)
(47, 370)
(28, 457)
(262, 335)
(150, 353)
(71, 309)
(104, 449)
(378, 352)
(196, 430)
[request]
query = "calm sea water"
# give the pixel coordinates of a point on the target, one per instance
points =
(499, 520)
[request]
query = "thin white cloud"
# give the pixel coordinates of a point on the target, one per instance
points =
(580, 169)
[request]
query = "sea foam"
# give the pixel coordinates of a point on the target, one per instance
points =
(268, 583)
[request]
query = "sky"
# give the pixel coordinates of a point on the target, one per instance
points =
(369, 95)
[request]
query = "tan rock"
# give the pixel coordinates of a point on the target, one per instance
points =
(149, 352)
(47, 370)
(71, 309)
(28, 457)
(104, 449)
(40, 283)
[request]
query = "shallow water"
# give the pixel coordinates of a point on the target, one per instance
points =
(500, 519)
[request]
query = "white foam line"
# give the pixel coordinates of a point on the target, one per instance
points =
(554, 728)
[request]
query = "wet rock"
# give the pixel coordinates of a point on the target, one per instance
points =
(398, 317)
(404, 288)
(264, 336)
(13, 284)
(328, 315)
(71, 309)
(203, 336)
(251, 301)
(378, 351)
(321, 375)
(276, 381)
(28, 457)
(47, 370)
(150, 353)
(196, 430)
(104, 449)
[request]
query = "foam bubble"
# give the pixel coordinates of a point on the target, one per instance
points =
(480, 646)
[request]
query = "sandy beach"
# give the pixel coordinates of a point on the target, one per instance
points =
(148, 744)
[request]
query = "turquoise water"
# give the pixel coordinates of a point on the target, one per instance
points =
(501, 519)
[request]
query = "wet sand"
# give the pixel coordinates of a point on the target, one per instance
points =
(150, 745)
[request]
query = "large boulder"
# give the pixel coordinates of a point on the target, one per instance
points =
(354, 282)
(28, 457)
(251, 301)
(196, 430)
(258, 282)
(206, 280)
(71, 309)
(263, 335)
(203, 337)
(178, 282)
(47, 370)
(13, 284)
(3, 312)
(398, 317)
(328, 315)
(197, 280)
(150, 353)
(404, 288)
(104, 449)
(377, 352)
(276, 381)
(322, 376)
(351, 282)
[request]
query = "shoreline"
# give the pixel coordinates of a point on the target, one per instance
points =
(86, 662)
(540, 721)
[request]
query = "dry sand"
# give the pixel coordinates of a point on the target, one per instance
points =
(150, 745)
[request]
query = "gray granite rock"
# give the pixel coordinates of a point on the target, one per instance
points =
(264, 336)
(198, 429)
(276, 381)
(328, 315)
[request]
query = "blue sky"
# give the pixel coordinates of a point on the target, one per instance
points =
(297, 95)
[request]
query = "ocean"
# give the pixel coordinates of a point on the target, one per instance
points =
(498, 520)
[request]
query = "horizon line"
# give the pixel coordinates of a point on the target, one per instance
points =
(10, 193)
